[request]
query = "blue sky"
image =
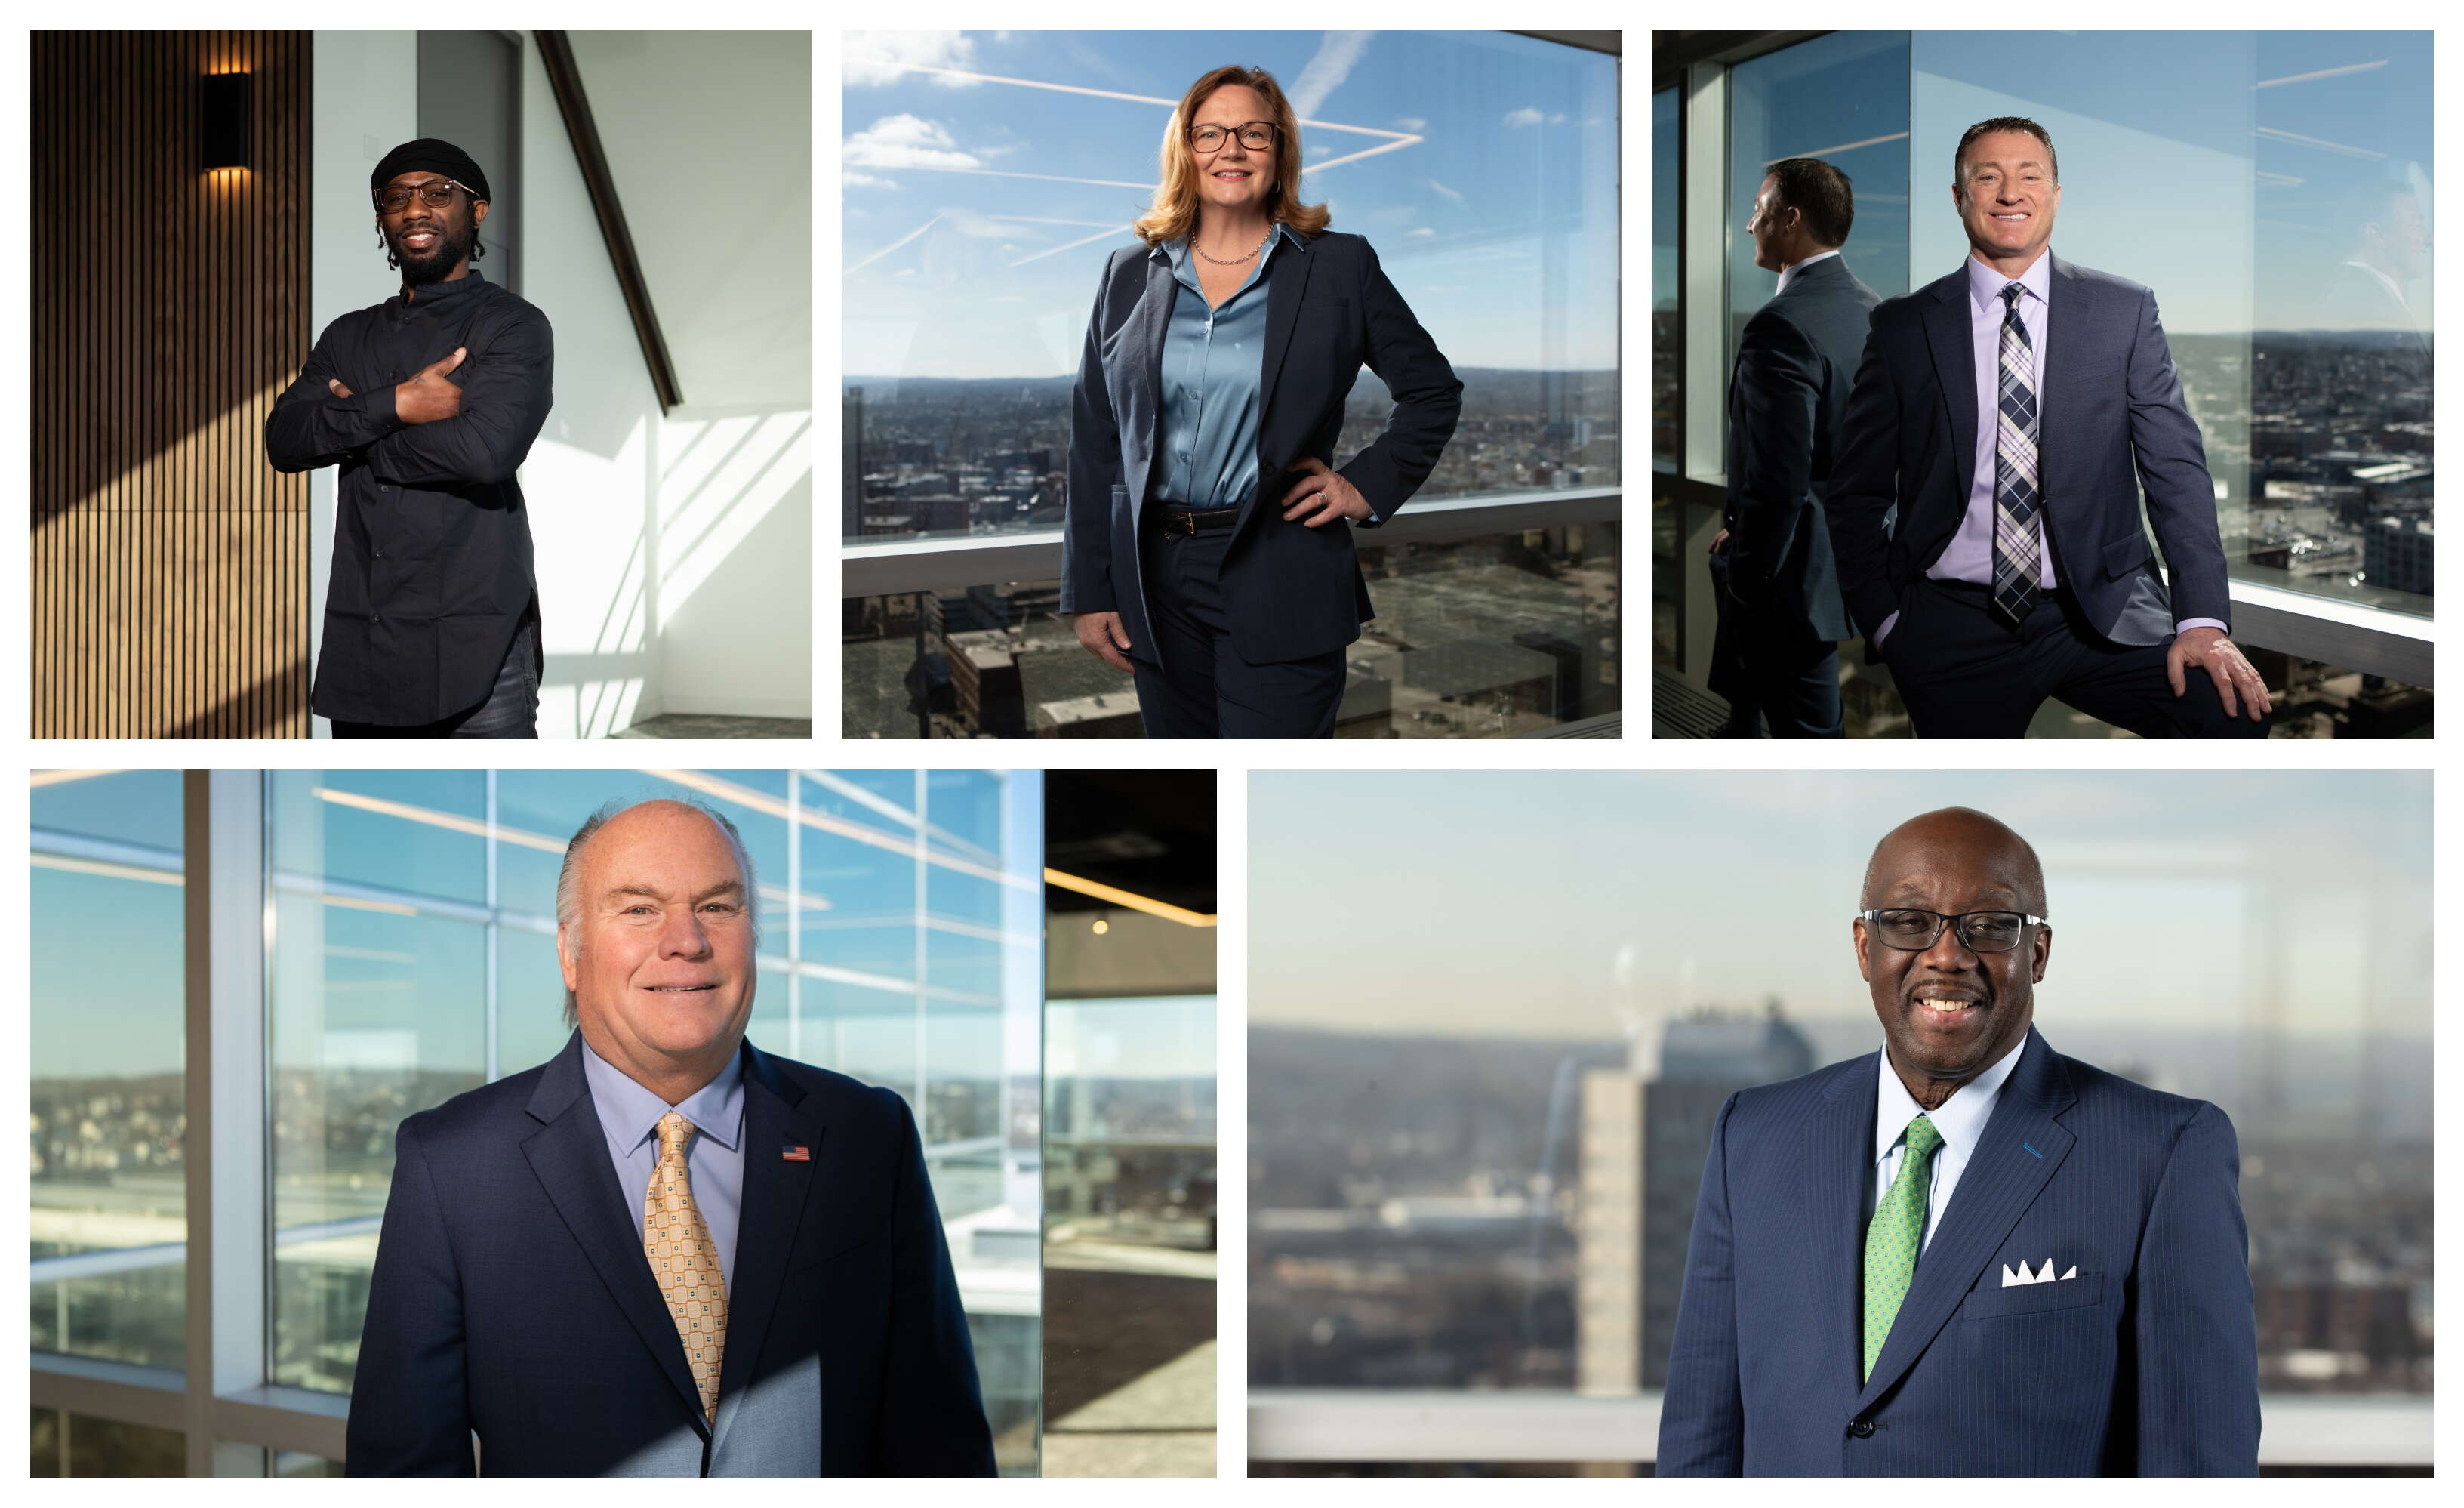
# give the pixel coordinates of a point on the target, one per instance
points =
(2210, 166)
(1569, 904)
(972, 162)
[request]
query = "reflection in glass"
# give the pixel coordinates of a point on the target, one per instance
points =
(1488, 638)
(1667, 330)
(64, 1444)
(108, 1103)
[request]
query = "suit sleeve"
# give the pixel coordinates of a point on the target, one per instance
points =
(1772, 409)
(2173, 472)
(1428, 399)
(410, 1398)
(932, 1420)
(1703, 1412)
(309, 427)
(506, 376)
(2197, 1329)
(1095, 471)
(1864, 488)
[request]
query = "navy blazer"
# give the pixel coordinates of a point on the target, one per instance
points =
(510, 1298)
(2144, 1364)
(1788, 400)
(1290, 592)
(2111, 399)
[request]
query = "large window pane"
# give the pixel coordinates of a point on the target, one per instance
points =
(108, 1106)
(980, 206)
(2297, 300)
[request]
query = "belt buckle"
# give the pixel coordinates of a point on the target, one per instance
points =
(1189, 519)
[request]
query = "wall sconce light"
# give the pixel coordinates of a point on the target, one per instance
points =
(224, 121)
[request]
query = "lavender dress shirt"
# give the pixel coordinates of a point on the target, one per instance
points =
(1969, 555)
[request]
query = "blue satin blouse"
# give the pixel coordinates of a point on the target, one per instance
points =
(1212, 362)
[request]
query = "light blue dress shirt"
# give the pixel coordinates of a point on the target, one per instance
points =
(713, 1155)
(1212, 365)
(1961, 1120)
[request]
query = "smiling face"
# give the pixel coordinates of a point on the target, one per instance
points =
(2006, 197)
(1233, 177)
(432, 245)
(660, 954)
(1950, 1013)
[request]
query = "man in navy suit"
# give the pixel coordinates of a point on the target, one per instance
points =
(1781, 619)
(1966, 1254)
(2012, 413)
(664, 1253)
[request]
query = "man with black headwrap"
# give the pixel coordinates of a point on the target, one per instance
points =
(427, 402)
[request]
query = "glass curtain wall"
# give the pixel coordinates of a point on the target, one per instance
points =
(106, 1168)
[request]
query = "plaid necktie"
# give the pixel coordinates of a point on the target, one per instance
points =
(2018, 531)
(1893, 1239)
(685, 1261)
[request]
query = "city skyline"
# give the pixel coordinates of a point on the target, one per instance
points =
(1544, 907)
(985, 176)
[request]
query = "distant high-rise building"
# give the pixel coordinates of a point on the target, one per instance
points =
(851, 463)
(1643, 1144)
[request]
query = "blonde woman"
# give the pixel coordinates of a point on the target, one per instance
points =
(1208, 545)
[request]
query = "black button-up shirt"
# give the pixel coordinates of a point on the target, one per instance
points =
(432, 543)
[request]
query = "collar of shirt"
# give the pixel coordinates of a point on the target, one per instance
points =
(1984, 285)
(432, 293)
(1961, 1119)
(1184, 269)
(630, 1114)
(1789, 273)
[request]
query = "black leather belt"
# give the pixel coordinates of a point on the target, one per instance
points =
(1173, 519)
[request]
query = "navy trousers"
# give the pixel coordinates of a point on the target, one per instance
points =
(1965, 673)
(1204, 689)
(1780, 673)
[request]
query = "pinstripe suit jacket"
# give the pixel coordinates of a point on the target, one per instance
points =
(2144, 1364)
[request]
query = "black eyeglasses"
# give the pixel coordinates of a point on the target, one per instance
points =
(435, 194)
(1256, 135)
(1913, 931)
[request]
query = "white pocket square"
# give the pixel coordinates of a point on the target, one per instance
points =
(2011, 1280)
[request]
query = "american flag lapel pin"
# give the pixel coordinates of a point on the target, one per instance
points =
(797, 1154)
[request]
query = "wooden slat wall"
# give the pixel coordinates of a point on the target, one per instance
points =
(170, 561)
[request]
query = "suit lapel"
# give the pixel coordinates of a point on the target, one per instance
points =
(774, 1195)
(1288, 283)
(1838, 1158)
(2023, 1145)
(1950, 334)
(569, 1155)
(1147, 326)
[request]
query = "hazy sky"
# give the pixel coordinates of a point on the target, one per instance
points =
(2212, 166)
(1578, 904)
(981, 197)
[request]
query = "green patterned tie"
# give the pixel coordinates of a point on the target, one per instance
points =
(1892, 1240)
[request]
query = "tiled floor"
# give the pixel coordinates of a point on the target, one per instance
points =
(683, 726)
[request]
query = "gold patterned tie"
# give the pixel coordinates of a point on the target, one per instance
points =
(685, 1261)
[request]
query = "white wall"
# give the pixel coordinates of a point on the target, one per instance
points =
(364, 102)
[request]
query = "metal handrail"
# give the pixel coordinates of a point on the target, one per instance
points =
(955, 565)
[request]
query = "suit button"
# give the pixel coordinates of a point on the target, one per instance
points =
(1861, 1428)
(376, 617)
